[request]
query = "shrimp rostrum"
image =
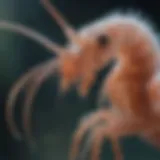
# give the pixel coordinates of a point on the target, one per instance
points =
(132, 85)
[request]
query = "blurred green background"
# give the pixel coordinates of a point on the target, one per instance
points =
(55, 117)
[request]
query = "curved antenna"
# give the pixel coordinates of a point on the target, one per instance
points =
(20, 84)
(66, 28)
(39, 38)
(31, 91)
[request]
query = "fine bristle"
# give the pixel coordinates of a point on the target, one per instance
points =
(133, 18)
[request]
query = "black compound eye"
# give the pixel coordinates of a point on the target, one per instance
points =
(103, 40)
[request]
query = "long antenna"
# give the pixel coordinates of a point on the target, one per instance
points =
(28, 32)
(66, 28)
(31, 91)
(17, 87)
